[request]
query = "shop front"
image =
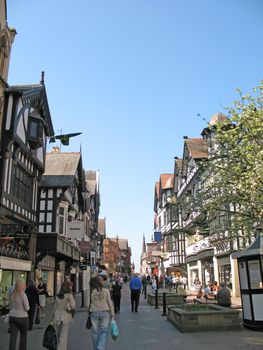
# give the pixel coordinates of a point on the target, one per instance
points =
(10, 270)
(58, 264)
(46, 270)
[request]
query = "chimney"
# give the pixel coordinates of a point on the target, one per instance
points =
(55, 149)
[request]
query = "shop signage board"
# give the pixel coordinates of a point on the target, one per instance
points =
(14, 264)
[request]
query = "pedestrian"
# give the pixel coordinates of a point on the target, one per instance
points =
(121, 281)
(63, 312)
(135, 287)
(105, 280)
(184, 282)
(18, 316)
(116, 295)
(42, 291)
(224, 296)
(144, 283)
(70, 284)
(101, 312)
(176, 282)
(33, 299)
(154, 283)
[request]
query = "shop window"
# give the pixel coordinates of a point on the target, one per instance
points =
(61, 220)
(225, 275)
(35, 131)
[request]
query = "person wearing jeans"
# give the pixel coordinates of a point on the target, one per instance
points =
(101, 312)
(18, 317)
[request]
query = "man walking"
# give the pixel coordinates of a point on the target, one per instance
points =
(135, 287)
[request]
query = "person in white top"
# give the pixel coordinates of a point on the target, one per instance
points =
(18, 316)
(63, 311)
(154, 283)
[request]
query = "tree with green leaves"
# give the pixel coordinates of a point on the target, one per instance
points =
(233, 173)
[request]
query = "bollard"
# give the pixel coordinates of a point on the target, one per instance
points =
(82, 298)
(145, 294)
(156, 299)
(164, 305)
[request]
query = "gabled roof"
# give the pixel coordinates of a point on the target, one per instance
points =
(157, 189)
(178, 166)
(58, 163)
(123, 243)
(197, 148)
(166, 181)
(60, 169)
(36, 95)
(91, 181)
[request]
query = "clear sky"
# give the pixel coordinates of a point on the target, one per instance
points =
(132, 75)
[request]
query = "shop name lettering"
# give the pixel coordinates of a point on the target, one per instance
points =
(194, 248)
(191, 218)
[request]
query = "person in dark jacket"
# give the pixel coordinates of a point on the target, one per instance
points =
(224, 296)
(116, 295)
(33, 299)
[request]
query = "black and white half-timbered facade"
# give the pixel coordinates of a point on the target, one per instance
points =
(61, 224)
(25, 129)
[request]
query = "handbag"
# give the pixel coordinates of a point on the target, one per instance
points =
(70, 310)
(50, 338)
(37, 319)
(114, 330)
(88, 323)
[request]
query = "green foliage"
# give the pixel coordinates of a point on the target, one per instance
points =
(233, 174)
(195, 307)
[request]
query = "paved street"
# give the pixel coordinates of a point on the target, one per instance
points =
(145, 330)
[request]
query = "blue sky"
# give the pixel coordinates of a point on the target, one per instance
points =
(132, 75)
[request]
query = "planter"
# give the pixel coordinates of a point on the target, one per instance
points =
(171, 299)
(203, 318)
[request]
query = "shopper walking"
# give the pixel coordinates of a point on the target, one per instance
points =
(42, 291)
(101, 312)
(135, 287)
(116, 295)
(33, 299)
(64, 309)
(18, 317)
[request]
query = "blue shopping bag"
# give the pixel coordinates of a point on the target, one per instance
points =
(114, 330)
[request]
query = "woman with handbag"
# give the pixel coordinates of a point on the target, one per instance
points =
(64, 309)
(101, 312)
